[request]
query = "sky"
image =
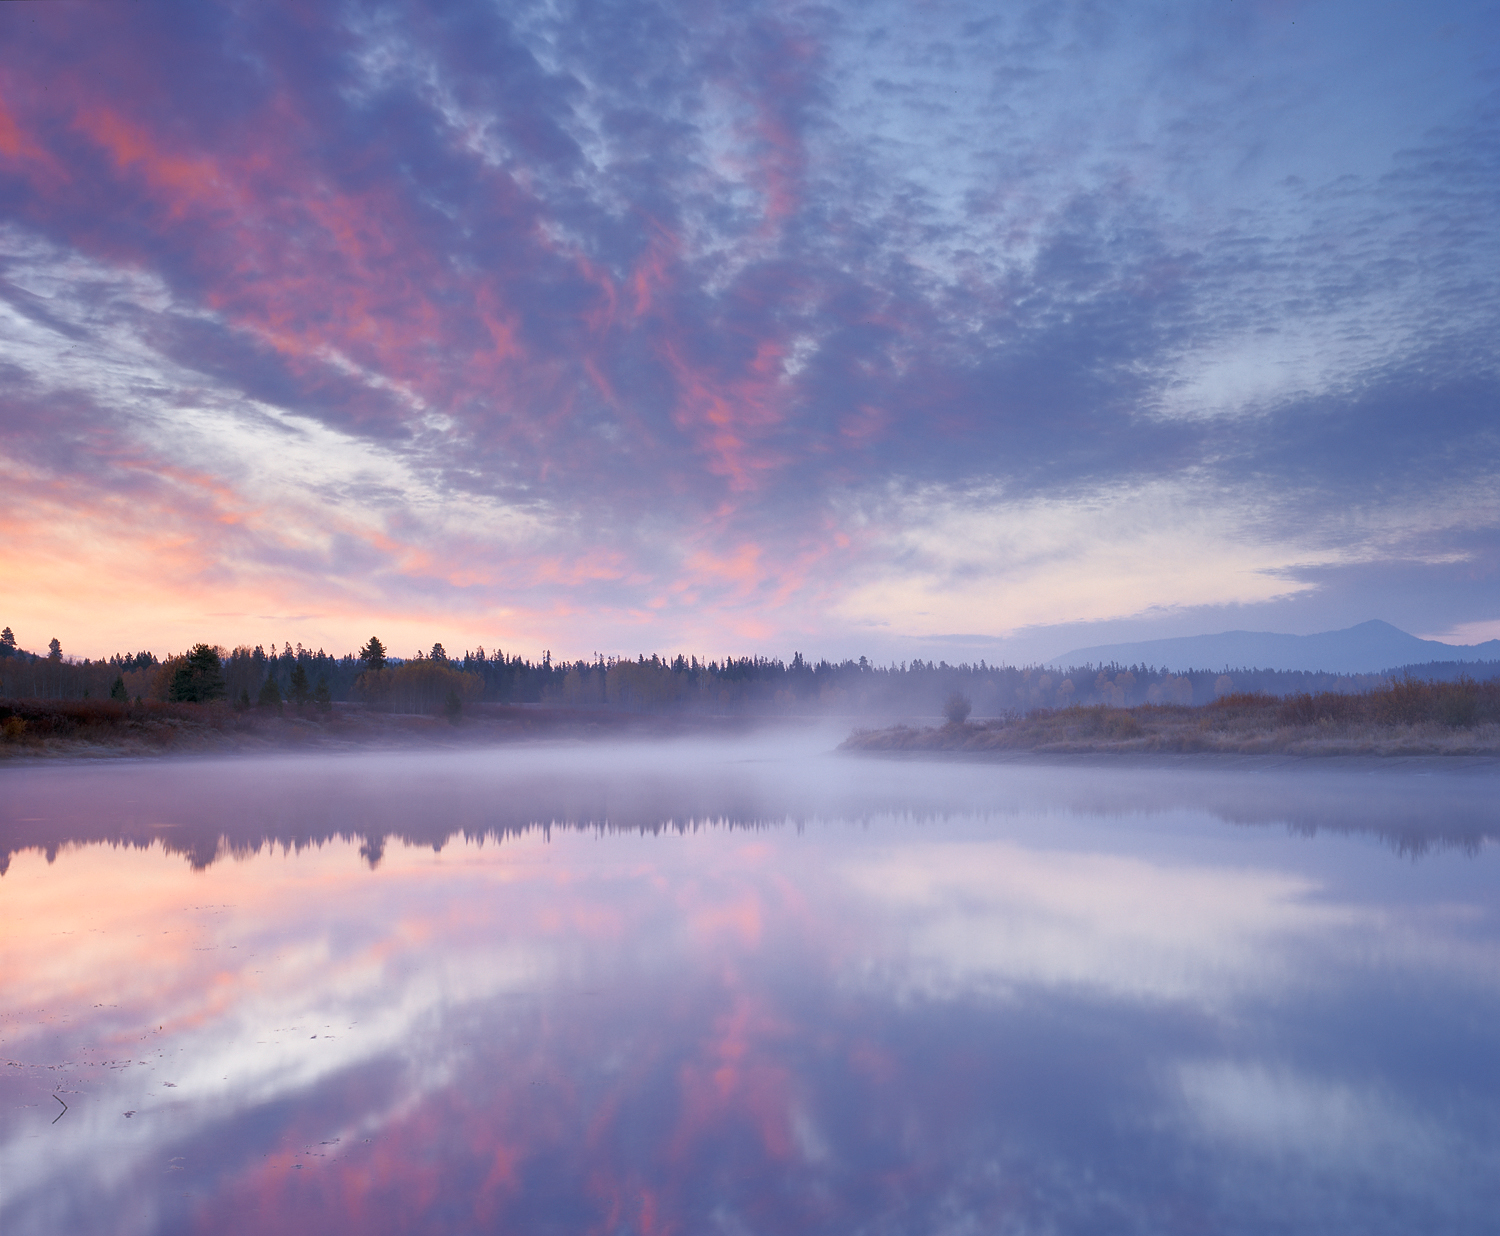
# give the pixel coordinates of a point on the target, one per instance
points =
(942, 330)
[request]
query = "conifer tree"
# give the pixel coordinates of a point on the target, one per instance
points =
(270, 694)
(297, 689)
(199, 679)
(373, 654)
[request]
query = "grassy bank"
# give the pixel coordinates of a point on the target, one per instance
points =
(1402, 718)
(40, 729)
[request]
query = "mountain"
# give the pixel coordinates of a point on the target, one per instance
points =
(1366, 649)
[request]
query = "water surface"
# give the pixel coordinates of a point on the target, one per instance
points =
(747, 988)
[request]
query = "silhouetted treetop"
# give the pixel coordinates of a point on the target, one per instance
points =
(199, 679)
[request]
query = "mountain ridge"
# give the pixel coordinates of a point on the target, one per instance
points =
(1367, 648)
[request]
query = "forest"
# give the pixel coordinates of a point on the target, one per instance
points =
(434, 680)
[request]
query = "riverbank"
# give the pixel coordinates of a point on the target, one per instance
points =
(103, 729)
(1441, 721)
(1237, 725)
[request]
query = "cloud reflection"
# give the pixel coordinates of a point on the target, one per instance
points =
(937, 1018)
(989, 917)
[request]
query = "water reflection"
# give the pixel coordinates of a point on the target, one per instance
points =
(208, 807)
(813, 995)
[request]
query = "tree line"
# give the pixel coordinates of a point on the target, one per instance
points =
(434, 680)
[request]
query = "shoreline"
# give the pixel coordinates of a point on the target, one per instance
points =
(68, 732)
(1250, 732)
(1380, 728)
(1222, 761)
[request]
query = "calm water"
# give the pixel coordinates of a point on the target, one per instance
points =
(753, 988)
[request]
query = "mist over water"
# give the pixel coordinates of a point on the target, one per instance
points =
(747, 986)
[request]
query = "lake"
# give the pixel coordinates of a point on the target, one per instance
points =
(748, 987)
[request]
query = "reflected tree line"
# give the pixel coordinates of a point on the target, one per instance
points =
(1402, 816)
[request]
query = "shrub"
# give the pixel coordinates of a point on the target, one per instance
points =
(1459, 709)
(1305, 709)
(1406, 701)
(1239, 703)
(957, 708)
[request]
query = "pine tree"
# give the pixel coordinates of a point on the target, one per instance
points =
(270, 694)
(322, 698)
(199, 679)
(373, 654)
(297, 689)
(7, 643)
(117, 691)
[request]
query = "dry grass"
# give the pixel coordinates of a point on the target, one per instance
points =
(41, 729)
(1403, 718)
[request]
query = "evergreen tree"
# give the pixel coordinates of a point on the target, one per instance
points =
(117, 691)
(373, 654)
(7, 643)
(54, 649)
(297, 689)
(199, 679)
(322, 699)
(438, 653)
(270, 694)
(243, 703)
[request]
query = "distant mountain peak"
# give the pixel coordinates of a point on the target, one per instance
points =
(1366, 648)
